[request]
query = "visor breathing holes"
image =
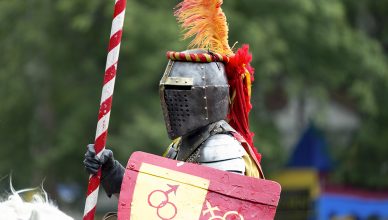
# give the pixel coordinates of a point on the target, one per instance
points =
(177, 105)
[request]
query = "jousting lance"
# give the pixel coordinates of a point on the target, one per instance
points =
(105, 104)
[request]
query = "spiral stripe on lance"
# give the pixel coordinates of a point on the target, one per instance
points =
(105, 104)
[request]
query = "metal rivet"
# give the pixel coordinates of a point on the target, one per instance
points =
(202, 67)
(204, 97)
(203, 77)
(206, 119)
(176, 80)
(205, 107)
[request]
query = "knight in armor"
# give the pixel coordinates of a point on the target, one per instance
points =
(205, 98)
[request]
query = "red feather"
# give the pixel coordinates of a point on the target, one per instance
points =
(241, 104)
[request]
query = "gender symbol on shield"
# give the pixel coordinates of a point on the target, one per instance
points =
(227, 215)
(159, 200)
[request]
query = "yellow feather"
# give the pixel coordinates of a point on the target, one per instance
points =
(205, 21)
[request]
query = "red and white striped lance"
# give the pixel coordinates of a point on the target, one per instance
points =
(105, 104)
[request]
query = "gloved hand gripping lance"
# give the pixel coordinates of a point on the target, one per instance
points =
(112, 171)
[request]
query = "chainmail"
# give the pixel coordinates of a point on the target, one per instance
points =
(193, 158)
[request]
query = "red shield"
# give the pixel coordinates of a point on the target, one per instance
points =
(162, 189)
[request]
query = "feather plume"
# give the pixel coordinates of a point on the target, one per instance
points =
(206, 22)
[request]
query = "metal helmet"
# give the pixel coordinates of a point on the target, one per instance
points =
(193, 95)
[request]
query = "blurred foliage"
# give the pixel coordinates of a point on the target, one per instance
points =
(53, 59)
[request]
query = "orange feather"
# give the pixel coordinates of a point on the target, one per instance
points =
(205, 21)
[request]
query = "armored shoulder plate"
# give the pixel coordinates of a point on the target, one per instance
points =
(223, 152)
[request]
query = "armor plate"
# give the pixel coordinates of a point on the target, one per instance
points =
(209, 146)
(236, 165)
(220, 147)
(223, 152)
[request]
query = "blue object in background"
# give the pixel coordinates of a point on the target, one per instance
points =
(334, 205)
(311, 151)
(69, 193)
